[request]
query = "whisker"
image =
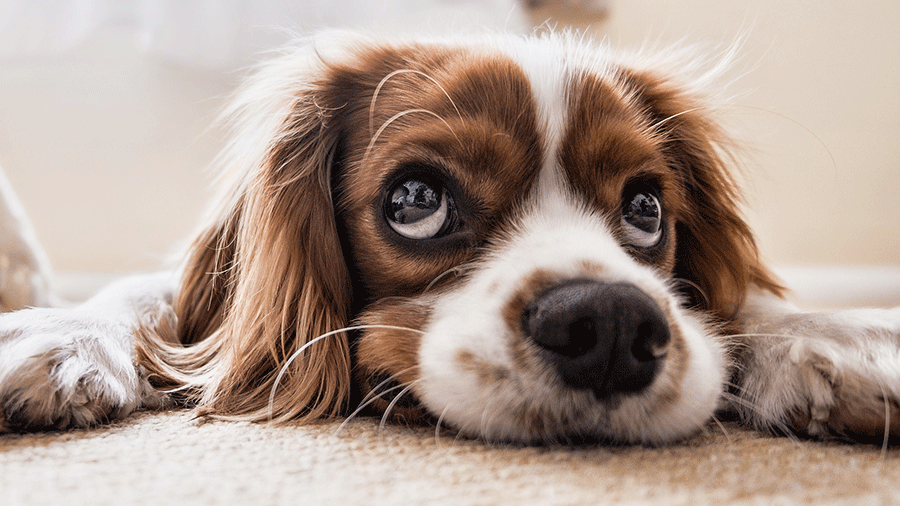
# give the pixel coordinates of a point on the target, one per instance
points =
(458, 436)
(887, 419)
(399, 115)
(303, 348)
(693, 285)
(459, 269)
(654, 127)
(373, 393)
(398, 72)
(777, 424)
(437, 428)
(722, 428)
(487, 415)
(808, 130)
(393, 403)
(764, 334)
(365, 403)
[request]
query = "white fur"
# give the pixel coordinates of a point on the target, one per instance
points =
(75, 367)
(554, 235)
(817, 362)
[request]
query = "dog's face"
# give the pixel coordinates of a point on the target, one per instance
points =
(535, 236)
(518, 209)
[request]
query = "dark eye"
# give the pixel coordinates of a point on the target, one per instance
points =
(642, 219)
(420, 210)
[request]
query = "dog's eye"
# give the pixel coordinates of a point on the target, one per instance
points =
(420, 210)
(642, 219)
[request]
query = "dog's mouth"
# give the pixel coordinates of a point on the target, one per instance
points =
(384, 389)
(555, 358)
(596, 344)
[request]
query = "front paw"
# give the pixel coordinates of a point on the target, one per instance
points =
(846, 393)
(826, 375)
(61, 368)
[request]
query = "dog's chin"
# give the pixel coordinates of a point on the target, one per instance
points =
(464, 367)
(486, 368)
(470, 389)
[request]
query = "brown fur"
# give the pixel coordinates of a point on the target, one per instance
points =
(390, 352)
(270, 274)
(261, 284)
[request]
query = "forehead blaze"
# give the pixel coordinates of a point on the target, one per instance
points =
(609, 142)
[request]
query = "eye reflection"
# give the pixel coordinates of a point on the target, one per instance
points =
(417, 209)
(642, 220)
(412, 201)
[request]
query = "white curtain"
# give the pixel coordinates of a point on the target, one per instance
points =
(227, 32)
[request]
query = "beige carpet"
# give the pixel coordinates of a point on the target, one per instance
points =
(168, 458)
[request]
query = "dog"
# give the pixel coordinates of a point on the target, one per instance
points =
(525, 239)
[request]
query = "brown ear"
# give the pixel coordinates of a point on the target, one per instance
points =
(268, 276)
(716, 250)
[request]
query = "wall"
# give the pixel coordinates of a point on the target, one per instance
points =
(106, 147)
(816, 113)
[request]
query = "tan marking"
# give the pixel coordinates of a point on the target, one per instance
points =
(521, 350)
(487, 373)
(392, 352)
(479, 135)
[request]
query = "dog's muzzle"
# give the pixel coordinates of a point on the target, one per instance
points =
(610, 338)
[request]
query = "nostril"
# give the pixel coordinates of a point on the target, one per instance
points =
(651, 341)
(582, 337)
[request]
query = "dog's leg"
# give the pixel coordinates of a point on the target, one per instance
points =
(24, 268)
(823, 374)
(75, 367)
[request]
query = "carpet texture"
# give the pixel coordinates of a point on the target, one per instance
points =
(170, 458)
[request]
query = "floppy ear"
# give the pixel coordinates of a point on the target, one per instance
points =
(268, 276)
(716, 250)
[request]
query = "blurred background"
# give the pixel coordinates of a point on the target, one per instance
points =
(106, 109)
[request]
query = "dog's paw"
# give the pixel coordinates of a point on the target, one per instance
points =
(62, 368)
(825, 375)
(22, 283)
(846, 392)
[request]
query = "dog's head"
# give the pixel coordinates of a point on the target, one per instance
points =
(535, 237)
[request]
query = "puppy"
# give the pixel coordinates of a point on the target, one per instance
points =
(525, 239)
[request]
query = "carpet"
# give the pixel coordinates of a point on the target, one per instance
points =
(171, 458)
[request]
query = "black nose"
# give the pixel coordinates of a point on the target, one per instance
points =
(605, 337)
